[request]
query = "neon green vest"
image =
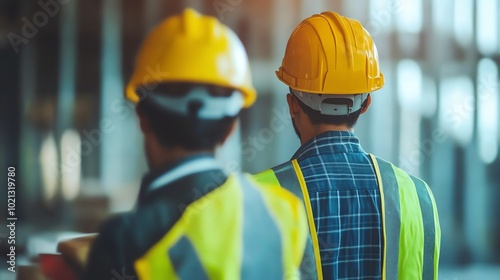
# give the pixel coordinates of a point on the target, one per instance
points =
(411, 231)
(241, 230)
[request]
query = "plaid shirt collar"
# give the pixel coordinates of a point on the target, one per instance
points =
(329, 142)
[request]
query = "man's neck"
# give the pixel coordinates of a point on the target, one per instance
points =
(316, 130)
(164, 156)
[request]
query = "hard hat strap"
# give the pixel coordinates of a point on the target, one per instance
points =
(318, 102)
(199, 103)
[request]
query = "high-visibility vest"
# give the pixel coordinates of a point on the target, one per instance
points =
(241, 230)
(411, 231)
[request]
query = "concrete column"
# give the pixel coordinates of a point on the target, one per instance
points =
(67, 66)
(122, 160)
(69, 153)
(30, 141)
(152, 13)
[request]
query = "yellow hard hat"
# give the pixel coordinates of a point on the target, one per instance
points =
(331, 54)
(191, 47)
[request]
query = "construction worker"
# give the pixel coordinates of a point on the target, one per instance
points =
(368, 219)
(193, 221)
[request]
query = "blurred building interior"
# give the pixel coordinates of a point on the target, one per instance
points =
(78, 150)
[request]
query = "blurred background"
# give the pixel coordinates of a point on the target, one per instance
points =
(78, 151)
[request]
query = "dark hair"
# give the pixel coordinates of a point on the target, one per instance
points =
(189, 132)
(317, 118)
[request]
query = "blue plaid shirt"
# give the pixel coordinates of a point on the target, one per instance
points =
(345, 201)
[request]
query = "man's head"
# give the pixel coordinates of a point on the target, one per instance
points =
(190, 82)
(195, 117)
(331, 67)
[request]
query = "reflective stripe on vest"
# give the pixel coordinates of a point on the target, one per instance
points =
(233, 232)
(286, 174)
(411, 238)
(410, 221)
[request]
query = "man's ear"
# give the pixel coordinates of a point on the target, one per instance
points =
(293, 105)
(367, 102)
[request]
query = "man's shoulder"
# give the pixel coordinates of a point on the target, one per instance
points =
(267, 182)
(399, 170)
(276, 168)
(268, 176)
(275, 194)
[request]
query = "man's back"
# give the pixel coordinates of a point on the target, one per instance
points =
(193, 229)
(345, 201)
(372, 220)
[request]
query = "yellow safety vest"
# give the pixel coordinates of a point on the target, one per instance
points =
(241, 230)
(411, 231)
